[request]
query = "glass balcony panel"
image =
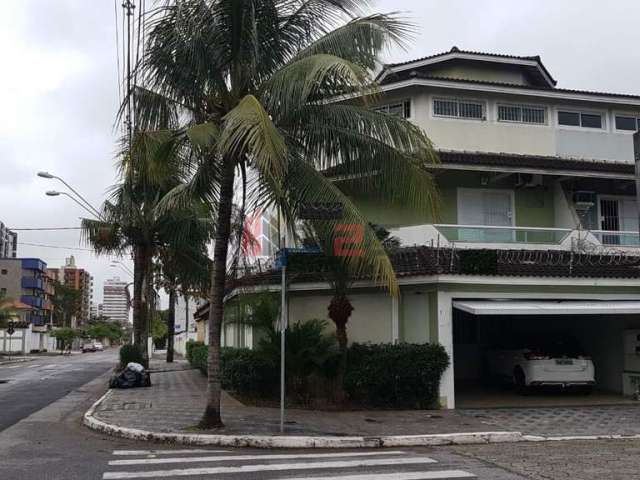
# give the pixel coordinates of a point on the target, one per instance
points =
(515, 235)
(617, 239)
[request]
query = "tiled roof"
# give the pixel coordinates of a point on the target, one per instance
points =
(513, 160)
(534, 58)
(424, 260)
(534, 161)
(509, 85)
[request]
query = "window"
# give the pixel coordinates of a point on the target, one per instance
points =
(627, 123)
(400, 109)
(580, 119)
(458, 109)
(521, 114)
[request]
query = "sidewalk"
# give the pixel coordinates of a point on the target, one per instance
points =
(175, 402)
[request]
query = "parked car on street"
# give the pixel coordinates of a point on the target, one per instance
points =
(98, 346)
(557, 362)
(88, 347)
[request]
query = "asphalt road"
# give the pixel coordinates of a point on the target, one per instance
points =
(29, 386)
(52, 444)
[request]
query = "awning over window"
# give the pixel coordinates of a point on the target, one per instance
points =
(547, 307)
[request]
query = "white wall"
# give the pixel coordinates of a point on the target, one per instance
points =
(370, 321)
(492, 136)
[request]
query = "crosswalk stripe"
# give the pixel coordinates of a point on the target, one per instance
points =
(223, 458)
(163, 452)
(439, 475)
(267, 468)
(34, 366)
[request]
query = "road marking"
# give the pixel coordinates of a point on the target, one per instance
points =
(13, 366)
(163, 452)
(34, 366)
(439, 475)
(267, 468)
(224, 458)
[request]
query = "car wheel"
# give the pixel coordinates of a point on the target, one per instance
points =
(519, 380)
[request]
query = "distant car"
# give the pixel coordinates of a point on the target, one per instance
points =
(98, 347)
(559, 362)
(88, 347)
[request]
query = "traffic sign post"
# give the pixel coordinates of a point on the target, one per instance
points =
(10, 331)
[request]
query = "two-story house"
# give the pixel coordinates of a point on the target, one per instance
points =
(538, 230)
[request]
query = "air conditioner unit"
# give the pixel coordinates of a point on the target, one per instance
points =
(528, 180)
(584, 200)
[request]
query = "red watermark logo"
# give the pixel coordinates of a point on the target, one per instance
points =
(348, 240)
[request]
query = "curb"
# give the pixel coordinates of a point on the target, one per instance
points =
(286, 441)
(18, 360)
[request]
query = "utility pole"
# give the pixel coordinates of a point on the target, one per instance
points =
(636, 156)
(128, 8)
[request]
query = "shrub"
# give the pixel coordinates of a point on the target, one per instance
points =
(130, 353)
(249, 373)
(198, 355)
(399, 376)
(189, 348)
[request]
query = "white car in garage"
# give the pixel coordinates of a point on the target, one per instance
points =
(559, 363)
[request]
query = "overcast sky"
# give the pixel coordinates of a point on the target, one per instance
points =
(59, 95)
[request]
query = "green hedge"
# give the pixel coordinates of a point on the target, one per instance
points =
(130, 353)
(191, 344)
(386, 375)
(399, 376)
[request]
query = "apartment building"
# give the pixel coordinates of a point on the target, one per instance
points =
(8, 242)
(116, 301)
(79, 279)
(25, 280)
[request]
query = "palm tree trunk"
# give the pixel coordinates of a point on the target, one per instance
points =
(140, 262)
(211, 417)
(171, 323)
(340, 309)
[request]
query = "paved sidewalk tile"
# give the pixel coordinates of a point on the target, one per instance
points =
(176, 400)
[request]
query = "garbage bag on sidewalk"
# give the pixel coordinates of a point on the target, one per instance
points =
(131, 377)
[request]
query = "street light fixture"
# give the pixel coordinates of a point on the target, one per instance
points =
(55, 193)
(88, 206)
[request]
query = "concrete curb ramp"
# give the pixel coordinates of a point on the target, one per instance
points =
(286, 441)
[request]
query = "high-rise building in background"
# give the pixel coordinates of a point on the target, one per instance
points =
(72, 276)
(8, 242)
(115, 301)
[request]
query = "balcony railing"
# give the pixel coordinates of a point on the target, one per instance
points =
(494, 234)
(32, 282)
(505, 237)
(617, 238)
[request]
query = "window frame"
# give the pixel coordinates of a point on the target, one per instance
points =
(635, 115)
(458, 100)
(405, 102)
(544, 109)
(580, 111)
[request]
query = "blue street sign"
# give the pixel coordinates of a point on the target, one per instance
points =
(283, 253)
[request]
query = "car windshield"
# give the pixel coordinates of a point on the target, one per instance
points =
(556, 346)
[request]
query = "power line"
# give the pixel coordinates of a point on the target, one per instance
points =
(43, 229)
(55, 246)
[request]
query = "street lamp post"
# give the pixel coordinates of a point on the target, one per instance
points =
(55, 193)
(88, 205)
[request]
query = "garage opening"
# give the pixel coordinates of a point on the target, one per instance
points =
(555, 343)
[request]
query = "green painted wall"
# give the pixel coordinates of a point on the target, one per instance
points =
(533, 206)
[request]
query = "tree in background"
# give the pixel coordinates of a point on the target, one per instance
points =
(132, 223)
(66, 304)
(102, 327)
(66, 336)
(253, 86)
(7, 310)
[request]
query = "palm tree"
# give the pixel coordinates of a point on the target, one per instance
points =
(131, 222)
(8, 310)
(281, 88)
(185, 268)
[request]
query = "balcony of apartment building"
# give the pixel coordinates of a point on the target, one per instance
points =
(33, 283)
(34, 301)
(34, 264)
